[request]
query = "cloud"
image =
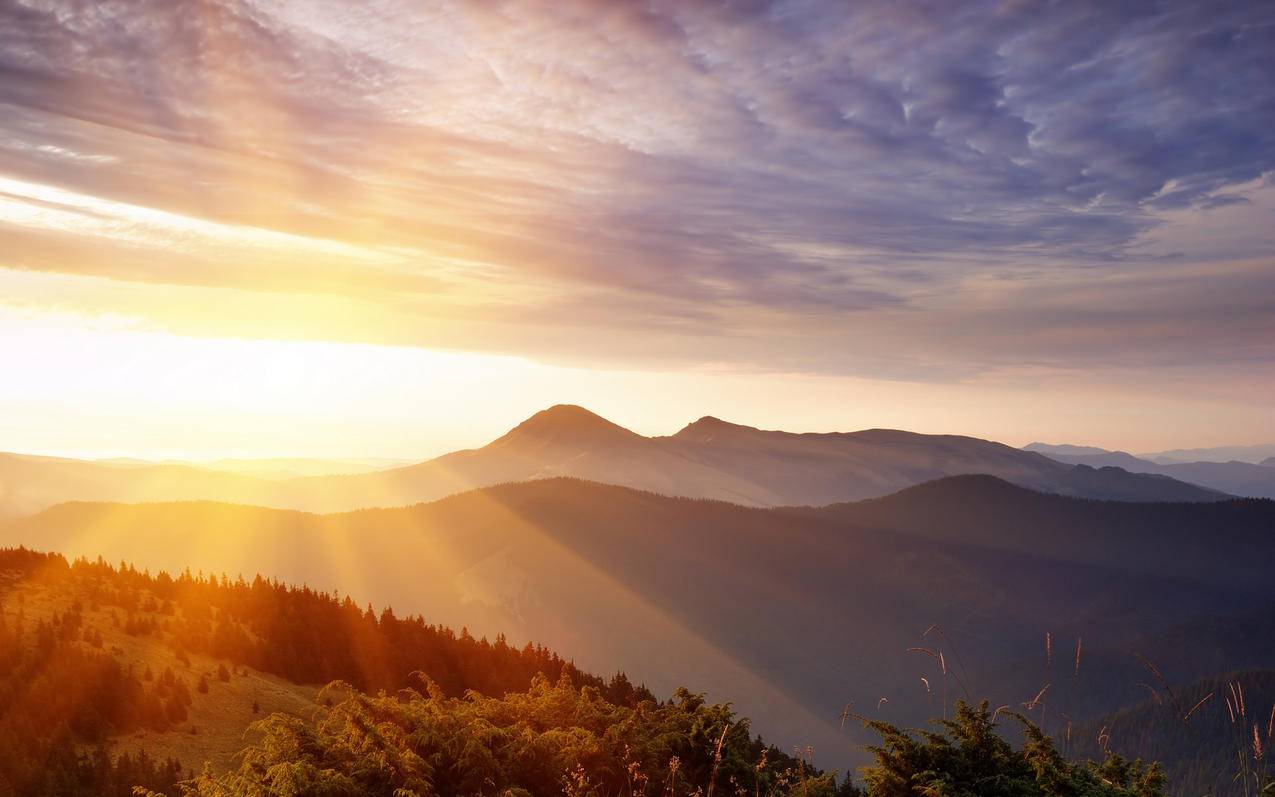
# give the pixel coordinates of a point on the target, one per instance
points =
(667, 173)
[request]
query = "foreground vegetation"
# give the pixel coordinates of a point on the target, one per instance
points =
(557, 740)
(969, 758)
(554, 739)
(414, 709)
(64, 699)
(1224, 747)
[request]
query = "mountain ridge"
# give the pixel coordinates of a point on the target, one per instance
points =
(709, 458)
(1234, 477)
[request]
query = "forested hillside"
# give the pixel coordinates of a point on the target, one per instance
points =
(1215, 736)
(71, 697)
(62, 698)
(618, 577)
(455, 714)
(1178, 540)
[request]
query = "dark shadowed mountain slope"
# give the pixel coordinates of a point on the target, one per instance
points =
(1235, 478)
(1113, 483)
(1181, 540)
(1239, 478)
(789, 613)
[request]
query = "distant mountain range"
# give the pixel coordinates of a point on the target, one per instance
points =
(268, 467)
(1235, 477)
(709, 458)
(1253, 455)
(789, 613)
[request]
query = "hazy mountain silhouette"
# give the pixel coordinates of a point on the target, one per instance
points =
(709, 458)
(269, 467)
(1253, 455)
(787, 612)
(31, 483)
(293, 467)
(564, 440)
(816, 469)
(1235, 478)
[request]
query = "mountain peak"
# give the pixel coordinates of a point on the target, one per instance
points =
(566, 423)
(709, 427)
(708, 421)
(567, 412)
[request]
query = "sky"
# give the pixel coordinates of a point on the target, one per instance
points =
(394, 228)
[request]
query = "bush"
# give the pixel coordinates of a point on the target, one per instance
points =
(968, 758)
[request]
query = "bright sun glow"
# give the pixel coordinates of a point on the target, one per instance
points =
(109, 386)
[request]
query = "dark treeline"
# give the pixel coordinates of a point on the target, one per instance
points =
(314, 637)
(307, 636)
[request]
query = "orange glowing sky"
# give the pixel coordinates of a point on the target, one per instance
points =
(259, 228)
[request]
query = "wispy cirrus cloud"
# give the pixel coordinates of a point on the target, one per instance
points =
(761, 183)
